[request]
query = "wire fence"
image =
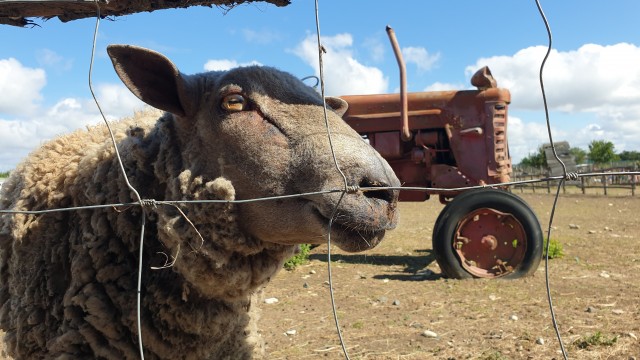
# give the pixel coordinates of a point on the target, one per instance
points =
(606, 179)
(614, 181)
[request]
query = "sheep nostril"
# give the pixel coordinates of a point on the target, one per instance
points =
(382, 194)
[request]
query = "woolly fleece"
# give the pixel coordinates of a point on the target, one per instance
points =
(68, 279)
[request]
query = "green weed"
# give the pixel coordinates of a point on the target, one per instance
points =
(298, 259)
(555, 249)
(596, 339)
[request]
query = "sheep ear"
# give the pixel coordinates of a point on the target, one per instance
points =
(337, 104)
(151, 77)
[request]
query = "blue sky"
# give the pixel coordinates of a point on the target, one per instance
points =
(592, 79)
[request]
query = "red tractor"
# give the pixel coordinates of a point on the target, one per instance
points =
(450, 140)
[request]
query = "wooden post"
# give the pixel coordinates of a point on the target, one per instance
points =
(533, 185)
(633, 180)
(582, 185)
(604, 183)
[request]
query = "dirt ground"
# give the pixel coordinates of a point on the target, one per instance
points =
(392, 302)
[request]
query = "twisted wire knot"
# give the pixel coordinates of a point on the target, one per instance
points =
(149, 203)
(352, 189)
(571, 176)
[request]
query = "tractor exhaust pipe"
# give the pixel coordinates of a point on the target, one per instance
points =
(405, 133)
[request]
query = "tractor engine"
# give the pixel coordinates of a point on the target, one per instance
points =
(458, 138)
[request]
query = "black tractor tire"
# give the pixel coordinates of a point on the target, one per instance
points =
(455, 216)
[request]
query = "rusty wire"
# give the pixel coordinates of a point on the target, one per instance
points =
(146, 203)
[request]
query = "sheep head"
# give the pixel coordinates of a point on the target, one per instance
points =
(264, 131)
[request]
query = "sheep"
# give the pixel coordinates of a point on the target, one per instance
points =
(68, 279)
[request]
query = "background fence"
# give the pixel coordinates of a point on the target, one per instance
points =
(614, 183)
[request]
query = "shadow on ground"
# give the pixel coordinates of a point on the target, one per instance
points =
(415, 267)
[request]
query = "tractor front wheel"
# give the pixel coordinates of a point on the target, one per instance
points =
(487, 233)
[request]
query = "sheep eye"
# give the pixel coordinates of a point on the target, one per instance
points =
(235, 102)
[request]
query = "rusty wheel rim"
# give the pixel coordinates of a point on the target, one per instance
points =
(490, 243)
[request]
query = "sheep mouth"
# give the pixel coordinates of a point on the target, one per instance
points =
(359, 229)
(355, 240)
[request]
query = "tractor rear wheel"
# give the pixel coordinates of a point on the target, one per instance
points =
(487, 233)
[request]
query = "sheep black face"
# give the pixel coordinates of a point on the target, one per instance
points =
(264, 131)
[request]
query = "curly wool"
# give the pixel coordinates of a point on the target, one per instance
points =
(69, 278)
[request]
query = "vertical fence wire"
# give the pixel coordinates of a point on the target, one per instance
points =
(321, 50)
(564, 170)
(123, 172)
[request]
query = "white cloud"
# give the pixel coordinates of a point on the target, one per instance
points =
(618, 124)
(420, 57)
(596, 87)
(22, 134)
(581, 80)
(343, 74)
(438, 86)
(115, 100)
(20, 87)
(525, 137)
(226, 64)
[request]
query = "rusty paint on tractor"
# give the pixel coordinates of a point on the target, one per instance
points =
(490, 243)
(447, 141)
(458, 138)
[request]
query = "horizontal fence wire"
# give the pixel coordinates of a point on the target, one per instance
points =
(433, 190)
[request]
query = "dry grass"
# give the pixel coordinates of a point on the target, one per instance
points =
(472, 319)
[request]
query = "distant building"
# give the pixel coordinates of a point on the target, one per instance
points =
(562, 150)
